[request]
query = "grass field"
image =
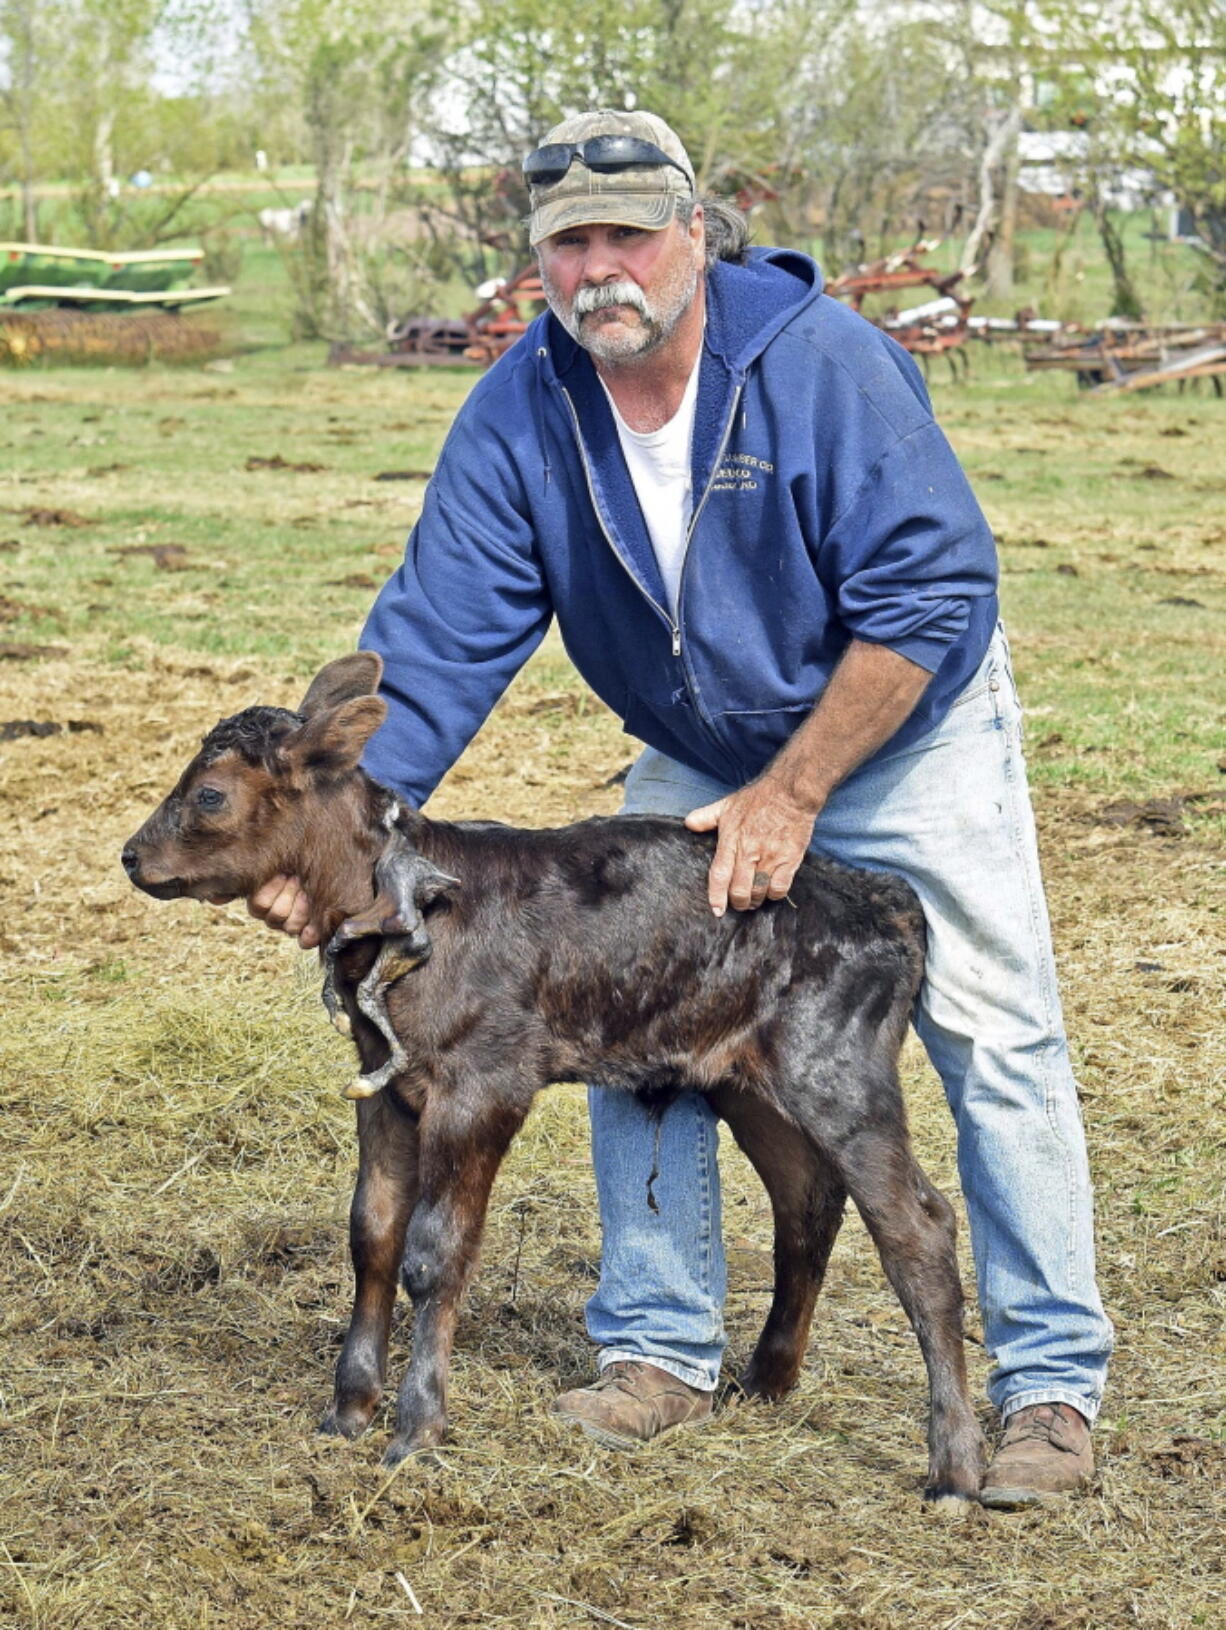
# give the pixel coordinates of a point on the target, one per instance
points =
(177, 1159)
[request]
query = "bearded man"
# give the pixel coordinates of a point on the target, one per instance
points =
(762, 554)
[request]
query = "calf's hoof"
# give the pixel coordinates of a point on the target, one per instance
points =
(347, 1420)
(346, 1423)
(952, 1505)
(406, 1445)
(762, 1379)
(953, 1484)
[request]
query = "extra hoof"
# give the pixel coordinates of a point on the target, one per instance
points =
(341, 1022)
(362, 1087)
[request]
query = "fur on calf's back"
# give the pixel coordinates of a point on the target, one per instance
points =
(595, 948)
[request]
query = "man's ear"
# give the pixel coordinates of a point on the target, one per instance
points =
(358, 674)
(331, 742)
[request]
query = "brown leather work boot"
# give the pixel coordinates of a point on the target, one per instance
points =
(632, 1402)
(1045, 1452)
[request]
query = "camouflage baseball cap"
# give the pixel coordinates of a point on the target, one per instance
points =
(641, 195)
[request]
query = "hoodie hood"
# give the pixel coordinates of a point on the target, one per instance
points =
(747, 307)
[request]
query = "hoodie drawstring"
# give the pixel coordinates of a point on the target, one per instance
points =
(538, 409)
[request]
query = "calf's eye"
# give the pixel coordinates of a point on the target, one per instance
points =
(209, 798)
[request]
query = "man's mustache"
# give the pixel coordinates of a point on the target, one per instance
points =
(590, 299)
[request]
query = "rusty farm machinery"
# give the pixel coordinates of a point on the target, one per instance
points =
(505, 308)
(1113, 356)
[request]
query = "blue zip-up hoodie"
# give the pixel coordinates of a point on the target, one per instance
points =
(828, 505)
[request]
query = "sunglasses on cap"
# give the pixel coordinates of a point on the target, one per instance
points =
(606, 155)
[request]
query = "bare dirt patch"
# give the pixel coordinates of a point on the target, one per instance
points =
(167, 557)
(276, 462)
(22, 651)
(11, 610)
(15, 729)
(54, 517)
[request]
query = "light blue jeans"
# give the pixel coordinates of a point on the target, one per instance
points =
(952, 815)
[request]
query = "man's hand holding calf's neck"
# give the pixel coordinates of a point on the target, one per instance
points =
(282, 903)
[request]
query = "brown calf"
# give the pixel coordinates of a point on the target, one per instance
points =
(585, 953)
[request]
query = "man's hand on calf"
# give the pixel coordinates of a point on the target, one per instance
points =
(766, 827)
(284, 904)
(763, 835)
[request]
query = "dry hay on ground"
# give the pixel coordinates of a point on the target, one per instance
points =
(176, 1169)
(104, 338)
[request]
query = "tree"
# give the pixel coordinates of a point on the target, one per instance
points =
(1146, 83)
(715, 71)
(106, 63)
(26, 34)
(880, 117)
(1000, 37)
(358, 75)
(1165, 107)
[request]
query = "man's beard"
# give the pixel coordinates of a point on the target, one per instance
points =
(657, 323)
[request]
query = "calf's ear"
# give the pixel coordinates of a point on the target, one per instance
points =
(332, 741)
(349, 677)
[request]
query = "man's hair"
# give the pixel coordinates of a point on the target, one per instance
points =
(727, 230)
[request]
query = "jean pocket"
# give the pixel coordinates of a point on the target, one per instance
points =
(977, 685)
(1006, 708)
(1006, 669)
(1002, 661)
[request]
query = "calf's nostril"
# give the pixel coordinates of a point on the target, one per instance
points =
(130, 859)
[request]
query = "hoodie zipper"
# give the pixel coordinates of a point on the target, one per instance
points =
(674, 625)
(690, 682)
(702, 504)
(608, 536)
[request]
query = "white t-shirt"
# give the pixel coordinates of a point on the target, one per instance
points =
(659, 464)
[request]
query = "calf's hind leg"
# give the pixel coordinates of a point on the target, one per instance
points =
(383, 1202)
(807, 1196)
(913, 1229)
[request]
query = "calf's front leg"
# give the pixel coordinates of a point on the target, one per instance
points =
(383, 1202)
(461, 1151)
